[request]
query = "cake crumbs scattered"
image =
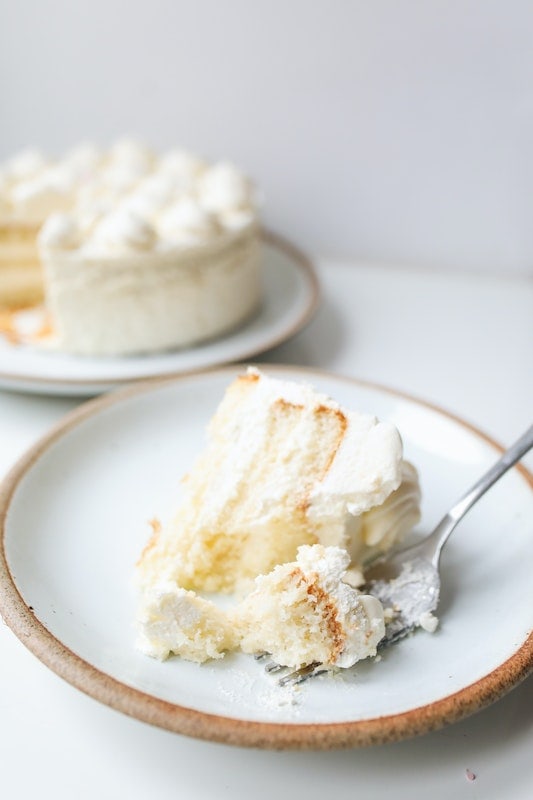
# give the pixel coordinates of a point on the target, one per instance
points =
(245, 692)
(279, 697)
(470, 776)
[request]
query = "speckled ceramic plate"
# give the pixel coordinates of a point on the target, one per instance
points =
(290, 298)
(74, 516)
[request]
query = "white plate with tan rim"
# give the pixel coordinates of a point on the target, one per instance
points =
(290, 297)
(74, 516)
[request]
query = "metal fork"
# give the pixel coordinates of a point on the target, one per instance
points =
(408, 582)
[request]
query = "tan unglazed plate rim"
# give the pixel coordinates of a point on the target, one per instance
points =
(273, 735)
(258, 335)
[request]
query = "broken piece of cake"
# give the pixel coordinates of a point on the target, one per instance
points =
(303, 612)
(174, 621)
(300, 613)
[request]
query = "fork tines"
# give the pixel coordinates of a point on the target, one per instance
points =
(296, 676)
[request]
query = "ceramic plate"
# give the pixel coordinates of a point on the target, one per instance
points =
(74, 516)
(290, 299)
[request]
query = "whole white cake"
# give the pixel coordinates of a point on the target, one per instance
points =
(131, 251)
(154, 261)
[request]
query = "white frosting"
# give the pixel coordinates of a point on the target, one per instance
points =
(186, 221)
(119, 179)
(179, 218)
(84, 159)
(428, 621)
(122, 232)
(172, 620)
(96, 198)
(24, 165)
(152, 195)
(222, 188)
(119, 293)
(329, 563)
(160, 188)
(236, 220)
(184, 167)
(51, 190)
(60, 232)
(143, 204)
(363, 472)
(186, 201)
(132, 156)
(90, 214)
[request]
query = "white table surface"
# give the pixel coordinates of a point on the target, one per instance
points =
(461, 341)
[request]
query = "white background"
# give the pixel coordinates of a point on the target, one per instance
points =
(391, 130)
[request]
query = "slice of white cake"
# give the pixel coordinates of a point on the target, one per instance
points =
(283, 466)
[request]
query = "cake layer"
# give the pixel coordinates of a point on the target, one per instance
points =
(21, 279)
(20, 285)
(18, 235)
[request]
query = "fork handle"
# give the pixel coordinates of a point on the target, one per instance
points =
(457, 512)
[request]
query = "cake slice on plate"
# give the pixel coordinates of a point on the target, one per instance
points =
(283, 466)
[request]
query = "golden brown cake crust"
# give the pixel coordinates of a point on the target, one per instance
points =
(326, 607)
